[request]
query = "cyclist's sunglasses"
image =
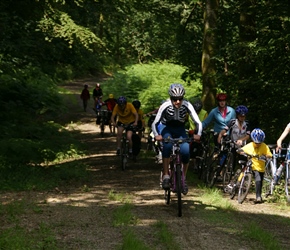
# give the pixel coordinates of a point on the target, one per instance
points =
(175, 99)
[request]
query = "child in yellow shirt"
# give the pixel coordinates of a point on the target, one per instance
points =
(259, 148)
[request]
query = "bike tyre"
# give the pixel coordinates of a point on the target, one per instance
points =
(268, 182)
(234, 182)
(211, 174)
(178, 189)
(123, 155)
(228, 170)
(244, 187)
(287, 182)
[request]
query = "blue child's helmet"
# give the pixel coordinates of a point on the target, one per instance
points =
(258, 135)
(241, 110)
(122, 100)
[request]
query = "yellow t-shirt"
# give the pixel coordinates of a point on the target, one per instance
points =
(140, 115)
(125, 116)
(263, 149)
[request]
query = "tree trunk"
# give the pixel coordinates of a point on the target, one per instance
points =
(207, 64)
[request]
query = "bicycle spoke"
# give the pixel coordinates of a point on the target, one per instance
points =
(178, 189)
(244, 187)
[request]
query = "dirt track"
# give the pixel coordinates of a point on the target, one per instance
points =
(82, 216)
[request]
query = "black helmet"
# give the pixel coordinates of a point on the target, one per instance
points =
(196, 103)
(136, 104)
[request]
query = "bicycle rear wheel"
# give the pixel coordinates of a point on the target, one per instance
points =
(268, 183)
(234, 184)
(228, 171)
(123, 155)
(244, 187)
(178, 188)
(212, 173)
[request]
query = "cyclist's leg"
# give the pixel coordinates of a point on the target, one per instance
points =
(129, 138)
(166, 150)
(259, 176)
(119, 134)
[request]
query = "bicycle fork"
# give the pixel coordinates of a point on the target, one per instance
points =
(178, 162)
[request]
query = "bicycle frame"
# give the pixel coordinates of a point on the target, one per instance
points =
(176, 171)
(124, 147)
(284, 153)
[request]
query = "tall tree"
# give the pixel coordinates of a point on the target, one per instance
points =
(208, 50)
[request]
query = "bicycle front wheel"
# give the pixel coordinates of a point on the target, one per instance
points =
(268, 183)
(287, 182)
(244, 187)
(178, 189)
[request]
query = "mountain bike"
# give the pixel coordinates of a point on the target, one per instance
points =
(242, 180)
(176, 173)
(228, 171)
(283, 157)
(103, 120)
(201, 159)
(124, 150)
(221, 164)
(269, 174)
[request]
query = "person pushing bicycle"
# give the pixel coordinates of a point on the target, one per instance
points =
(259, 148)
(127, 115)
(173, 113)
(238, 130)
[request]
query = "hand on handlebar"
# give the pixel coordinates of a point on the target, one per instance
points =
(158, 137)
(196, 137)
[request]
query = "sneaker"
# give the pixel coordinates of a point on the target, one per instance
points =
(258, 200)
(118, 152)
(165, 182)
(185, 189)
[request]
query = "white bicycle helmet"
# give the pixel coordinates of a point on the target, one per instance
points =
(176, 90)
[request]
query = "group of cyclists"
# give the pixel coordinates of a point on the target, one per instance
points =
(173, 117)
(229, 122)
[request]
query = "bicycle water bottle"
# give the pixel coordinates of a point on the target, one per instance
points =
(240, 176)
(278, 173)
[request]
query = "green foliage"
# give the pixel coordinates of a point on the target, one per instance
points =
(24, 177)
(132, 242)
(266, 239)
(123, 215)
(149, 83)
(18, 237)
(165, 236)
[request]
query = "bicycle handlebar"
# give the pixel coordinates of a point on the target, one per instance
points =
(177, 140)
(259, 157)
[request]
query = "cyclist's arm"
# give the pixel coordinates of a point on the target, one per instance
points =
(282, 137)
(195, 118)
(158, 119)
(208, 119)
(221, 134)
(114, 114)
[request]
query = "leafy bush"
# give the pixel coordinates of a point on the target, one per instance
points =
(149, 83)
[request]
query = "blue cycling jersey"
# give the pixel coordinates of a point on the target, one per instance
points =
(220, 122)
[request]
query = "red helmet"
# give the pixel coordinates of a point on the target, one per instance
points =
(221, 97)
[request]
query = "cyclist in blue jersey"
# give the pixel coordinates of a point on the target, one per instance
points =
(173, 113)
(220, 115)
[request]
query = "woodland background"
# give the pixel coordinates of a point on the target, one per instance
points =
(238, 47)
